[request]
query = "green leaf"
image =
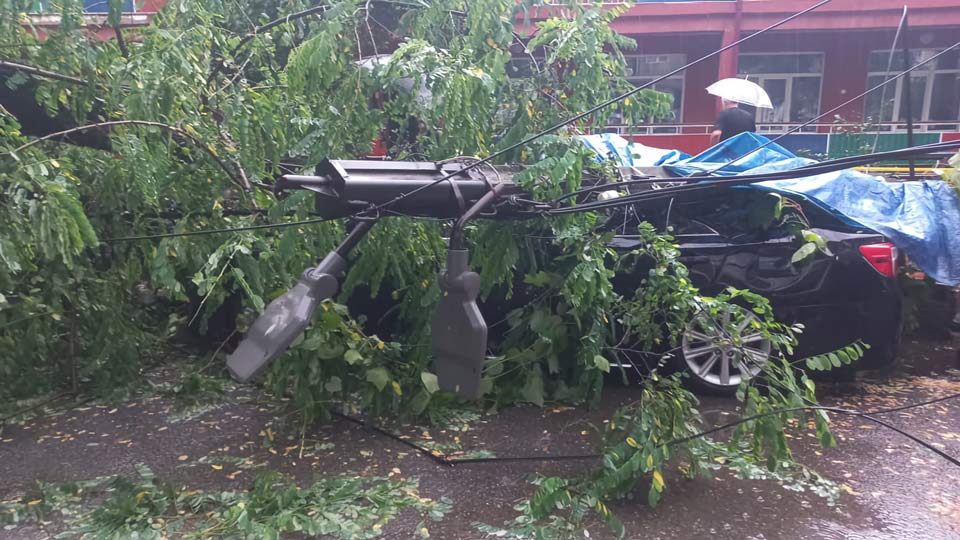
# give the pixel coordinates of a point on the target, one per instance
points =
(834, 359)
(429, 381)
(538, 279)
(533, 390)
(352, 356)
(420, 401)
(379, 377)
(825, 363)
(334, 384)
(806, 251)
(653, 496)
(601, 363)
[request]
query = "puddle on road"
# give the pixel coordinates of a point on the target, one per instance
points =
(926, 358)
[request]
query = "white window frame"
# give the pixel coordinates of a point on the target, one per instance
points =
(788, 91)
(636, 80)
(929, 72)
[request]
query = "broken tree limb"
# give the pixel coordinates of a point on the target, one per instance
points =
(239, 179)
(23, 68)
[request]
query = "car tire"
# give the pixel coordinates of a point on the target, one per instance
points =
(718, 362)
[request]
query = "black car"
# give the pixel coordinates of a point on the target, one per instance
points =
(845, 293)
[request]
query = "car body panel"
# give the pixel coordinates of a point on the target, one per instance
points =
(837, 296)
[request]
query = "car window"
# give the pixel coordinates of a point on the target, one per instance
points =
(684, 225)
(735, 214)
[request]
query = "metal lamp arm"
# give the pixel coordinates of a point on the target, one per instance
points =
(285, 318)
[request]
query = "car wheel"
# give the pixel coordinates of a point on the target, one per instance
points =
(718, 360)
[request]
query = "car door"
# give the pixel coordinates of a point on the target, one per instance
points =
(728, 238)
(759, 249)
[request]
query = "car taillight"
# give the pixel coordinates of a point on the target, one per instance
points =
(883, 257)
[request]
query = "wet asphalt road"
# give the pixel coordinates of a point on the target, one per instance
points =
(891, 488)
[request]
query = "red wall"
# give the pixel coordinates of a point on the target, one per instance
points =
(844, 70)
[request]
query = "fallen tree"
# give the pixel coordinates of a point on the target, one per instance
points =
(109, 251)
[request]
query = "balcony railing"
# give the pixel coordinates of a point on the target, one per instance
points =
(703, 129)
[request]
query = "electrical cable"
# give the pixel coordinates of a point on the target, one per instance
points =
(708, 182)
(205, 232)
(488, 159)
(822, 167)
(883, 93)
(840, 106)
(595, 109)
(449, 462)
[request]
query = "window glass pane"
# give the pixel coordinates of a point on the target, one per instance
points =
(872, 110)
(805, 99)
(655, 64)
(918, 86)
(732, 214)
(777, 90)
(674, 87)
(810, 63)
(945, 103)
(949, 60)
(877, 62)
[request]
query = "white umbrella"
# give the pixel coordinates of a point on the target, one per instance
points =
(741, 91)
(406, 84)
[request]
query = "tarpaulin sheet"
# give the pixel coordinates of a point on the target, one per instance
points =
(629, 154)
(921, 218)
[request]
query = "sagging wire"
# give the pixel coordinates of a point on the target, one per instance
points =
(440, 459)
(883, 92)
(705, 183)
(205, 232)
(595, 109)
(700, 182)
(838, 107)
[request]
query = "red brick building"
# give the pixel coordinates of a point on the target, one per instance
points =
(808, 66)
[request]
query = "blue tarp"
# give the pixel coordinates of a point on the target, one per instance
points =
(921, 218)
(731, 149)
(629, 154)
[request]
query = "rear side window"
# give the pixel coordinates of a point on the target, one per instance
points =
(738, 213)
(741, 214)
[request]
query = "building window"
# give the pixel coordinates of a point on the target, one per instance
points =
(640, 69)
(644, 68)
(934, 88)
(792, 80)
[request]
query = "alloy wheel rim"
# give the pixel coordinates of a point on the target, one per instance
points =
(721, 359)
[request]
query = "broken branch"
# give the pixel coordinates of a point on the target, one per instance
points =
(237, 178)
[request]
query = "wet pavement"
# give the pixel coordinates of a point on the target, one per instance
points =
(891, 488)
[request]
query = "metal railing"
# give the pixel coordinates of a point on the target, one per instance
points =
(779, 128)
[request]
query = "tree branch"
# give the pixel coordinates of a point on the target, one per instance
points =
(42, 72)
(239, 179)
(217, 69)
(121, 43)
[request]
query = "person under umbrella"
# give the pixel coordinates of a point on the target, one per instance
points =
(733, 120)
